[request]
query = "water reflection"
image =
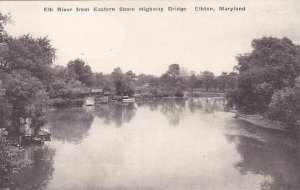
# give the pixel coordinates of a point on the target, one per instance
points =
(136, 146)
(270, 153)
(70, 124)
(38, 174)
(115, 113)
(174, 109)
(206, 105)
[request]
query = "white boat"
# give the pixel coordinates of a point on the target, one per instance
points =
(90, 101)
(127, 99)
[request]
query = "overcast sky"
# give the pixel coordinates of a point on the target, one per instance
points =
(149, 42)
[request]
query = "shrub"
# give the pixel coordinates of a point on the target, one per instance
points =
(179, 93)
(284, 105)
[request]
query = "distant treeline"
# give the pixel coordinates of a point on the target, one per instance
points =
(265, 82)
(30, 82)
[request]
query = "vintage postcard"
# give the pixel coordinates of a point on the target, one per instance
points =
(150, 95)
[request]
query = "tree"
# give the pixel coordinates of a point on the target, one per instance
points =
(285, 104)
(27, 98)
(272, 65)
(10, 162)
(4, 19)
(81, 71)
(231, 80)
(208, 80)
(35, 55)
(193, 81)
(222, 81)
(174, 72)
(5, 111)
(129, 75)
(117, 76)
(122, 82)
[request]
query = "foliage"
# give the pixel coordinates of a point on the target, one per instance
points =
(4, 20)
(5, 112)
(81, 71)
(282, 106)
(122, 82)
(208, 79)
(27, 97)
(10, 162)
(174, 72)
(64, 84)
(272, 66)
(103, 80)
(285, 104)
(35, 55)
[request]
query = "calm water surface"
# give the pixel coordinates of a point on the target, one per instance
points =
(158, 145)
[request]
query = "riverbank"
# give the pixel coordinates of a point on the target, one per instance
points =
(261, 121)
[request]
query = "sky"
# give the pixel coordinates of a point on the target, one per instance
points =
(150, 42)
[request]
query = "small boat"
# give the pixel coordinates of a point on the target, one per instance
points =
(127, 99)
(90, 101)
(44, 134)
(38, 140)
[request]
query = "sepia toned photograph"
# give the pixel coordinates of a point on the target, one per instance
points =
(150, 95)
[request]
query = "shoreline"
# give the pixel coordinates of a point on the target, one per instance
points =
(259, 120)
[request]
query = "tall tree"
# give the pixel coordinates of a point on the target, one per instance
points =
(81, 71)
(272, 65)
(28, 99)
(208, 79)
(122, 85)
(4, 19)
(35, 55)
(174, 72)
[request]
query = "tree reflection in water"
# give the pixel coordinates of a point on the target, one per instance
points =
(116, 113)
(273, 154)
(70, 124)
(206, 105)
(270, 157)
(39, 172)
(173, 109)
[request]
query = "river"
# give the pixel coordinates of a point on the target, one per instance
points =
(162, 144)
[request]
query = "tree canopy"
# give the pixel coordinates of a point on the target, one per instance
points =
(81, 71)
(266, 74)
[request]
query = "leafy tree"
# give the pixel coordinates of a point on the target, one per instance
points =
(64, 84)
(231, 80)
(129, 75)
(285, 104)
(81, 71)
(117, 76)
(222, 81)
(143, 79)
(122, 82)
(174, 73)
(104, 81)
(208, 80)
(272, 65)
(10, 162)
(28, 99)
(193, 81)
(4, 19)
(35, 55)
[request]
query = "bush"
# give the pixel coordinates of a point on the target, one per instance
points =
(178, 93)
(284, 105)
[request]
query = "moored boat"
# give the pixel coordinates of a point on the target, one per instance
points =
(89, 101)
(127, 99)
